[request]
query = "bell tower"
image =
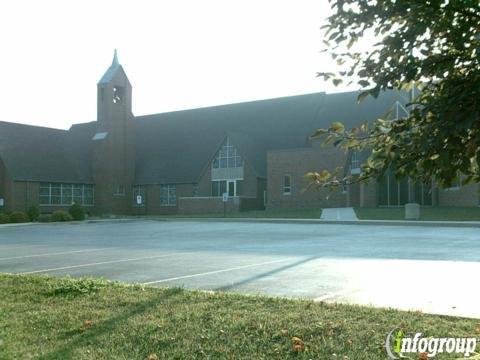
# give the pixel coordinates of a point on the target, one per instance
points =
(113, 149)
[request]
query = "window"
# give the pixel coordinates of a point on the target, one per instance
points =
(232, 187)
(168, 195)
(118, 94)
(87, 194)
(65, 194)
(138, 196)
(99, 136)
(287, 185)
(354, 163)
(119, 190)
(56, 194)
(77, 193)
(227, 157)
(45, 194)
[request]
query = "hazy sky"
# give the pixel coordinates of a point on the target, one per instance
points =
(178, 54)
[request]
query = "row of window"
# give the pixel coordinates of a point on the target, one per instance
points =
(66, 194)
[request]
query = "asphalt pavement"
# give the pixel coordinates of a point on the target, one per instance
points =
(412, 268)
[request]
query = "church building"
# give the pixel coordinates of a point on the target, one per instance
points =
(253, 155)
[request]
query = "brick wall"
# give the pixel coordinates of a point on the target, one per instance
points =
(6, 186)
(196, 205)
(368, 194)
(297, 163)
(25, 194)
(152, 200)
(466, 195)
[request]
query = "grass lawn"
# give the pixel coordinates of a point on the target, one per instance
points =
(47, 318)
(426, 213)
(281, 214)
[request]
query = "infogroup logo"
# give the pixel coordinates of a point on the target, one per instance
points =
(398, 344)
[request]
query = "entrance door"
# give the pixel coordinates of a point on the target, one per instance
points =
(231, 188)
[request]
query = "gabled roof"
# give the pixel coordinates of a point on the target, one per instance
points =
(42, 154)
(174, 147)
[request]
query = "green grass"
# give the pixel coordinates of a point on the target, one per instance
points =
(280, 214)
(426, 213)
(47, 318)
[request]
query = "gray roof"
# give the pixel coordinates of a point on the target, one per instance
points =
(42, 154)
(175, 147)
(112, 70)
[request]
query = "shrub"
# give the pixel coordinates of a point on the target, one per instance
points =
(6, 212)
(44, 218)
(19, 217)
(77, 212)
(4, 218)
(60, 215)
(33, 213)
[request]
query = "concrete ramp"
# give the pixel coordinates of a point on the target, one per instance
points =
(340, 214)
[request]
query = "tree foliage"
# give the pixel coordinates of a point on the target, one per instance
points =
(433, 45)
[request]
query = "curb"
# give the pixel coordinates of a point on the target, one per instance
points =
(450, 224)
(464, 224)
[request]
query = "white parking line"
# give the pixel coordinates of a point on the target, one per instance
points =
(216, 271)
(100, 263)
(52, 254)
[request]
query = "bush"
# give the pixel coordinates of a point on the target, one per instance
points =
(19, 217)
(44, 218)
(60, 215)
(33, 213)
(4, 218)
(77, 212)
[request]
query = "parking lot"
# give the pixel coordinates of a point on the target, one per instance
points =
(407, 267)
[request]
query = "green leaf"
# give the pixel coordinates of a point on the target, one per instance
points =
(318, 134)
(362, 96)
(337, 127)
(337, 82)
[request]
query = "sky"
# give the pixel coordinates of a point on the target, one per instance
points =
(178, 54)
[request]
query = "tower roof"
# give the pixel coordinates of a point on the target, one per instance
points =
(112, 70)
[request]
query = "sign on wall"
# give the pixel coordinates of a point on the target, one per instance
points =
(139, 199)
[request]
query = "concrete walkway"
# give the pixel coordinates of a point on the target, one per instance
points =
(339, 214)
